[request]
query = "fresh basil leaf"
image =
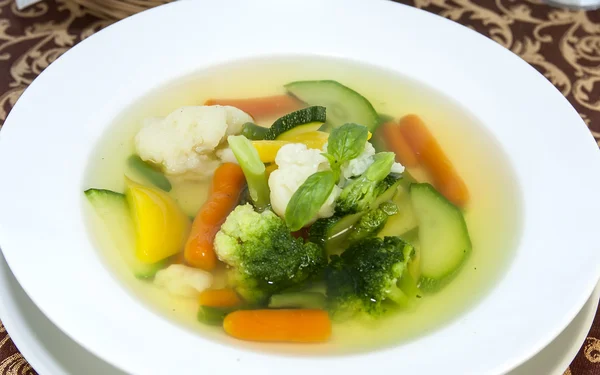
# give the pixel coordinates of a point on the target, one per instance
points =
(381, 167)
(347, 142)
(308, 199)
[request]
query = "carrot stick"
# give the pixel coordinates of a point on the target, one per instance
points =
(262, 107)
(397, 143)
(227, 184)
(279, 325)
(434, 160)
(219, 298)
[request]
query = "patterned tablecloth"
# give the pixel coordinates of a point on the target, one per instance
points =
(562, 44)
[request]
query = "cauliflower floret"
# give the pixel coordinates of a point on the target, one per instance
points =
(226, 155)
(397, 168)
(359, 164)
(185, 140)
(295, 164)
(183, 281)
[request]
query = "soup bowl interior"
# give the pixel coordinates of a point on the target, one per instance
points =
(49, 136)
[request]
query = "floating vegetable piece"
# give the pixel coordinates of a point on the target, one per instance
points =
(154, 176)
(253, 131)
(299, 326)
(443, 236)
(267, 150)
(300, 129)
(294, 119)
(308, 199)
(398, 144)
(343, 104)
(254, 169)
(160, 224)
(315, 139)
(262, 107)
(219, 298)
(434, 160)
(113, 210)
(227, 185)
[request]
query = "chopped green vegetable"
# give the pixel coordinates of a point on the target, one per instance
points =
(213, 315)
(294, 119)
(253, 168)
(443, 236)
(364, 279)
(332, 233)
(372, 222)
(112, 208)
(343, 104)
(153, 176)
(308, 199)
(263, 257)
(300, 300)
(361, 193)
(254, 132)
(300, 129)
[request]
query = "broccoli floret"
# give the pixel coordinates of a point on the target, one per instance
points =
(363, 280)
(361, 192)
(263, 256)
(372, 222)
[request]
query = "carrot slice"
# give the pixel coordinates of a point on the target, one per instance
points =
(267, 106)
(398, 144)
(227, 184)
(434, 160)
(219, 298)
(302, 326)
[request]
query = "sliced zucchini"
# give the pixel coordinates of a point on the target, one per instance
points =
(405, 220)
(291, 134)
(443, 236)
(149, 173)
(114, 212)
(343, 104)
(294, 119)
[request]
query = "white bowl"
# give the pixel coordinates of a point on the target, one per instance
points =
(49, 135)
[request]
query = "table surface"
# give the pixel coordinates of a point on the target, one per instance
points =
(562, 44)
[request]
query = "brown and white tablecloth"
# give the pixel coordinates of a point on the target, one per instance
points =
(562, 44)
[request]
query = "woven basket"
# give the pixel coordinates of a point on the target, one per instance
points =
(118, 9)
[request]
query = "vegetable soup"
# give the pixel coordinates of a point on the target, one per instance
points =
(302, 205)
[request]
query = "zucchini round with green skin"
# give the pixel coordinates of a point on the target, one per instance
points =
(291, 134)
(112, 208)
(343, 104)
(294, 119)
(443, 236)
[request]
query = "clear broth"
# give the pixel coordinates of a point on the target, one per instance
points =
(491, 216)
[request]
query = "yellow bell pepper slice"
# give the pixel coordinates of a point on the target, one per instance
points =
(161, 226)
(267, 150)
(315, 139)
